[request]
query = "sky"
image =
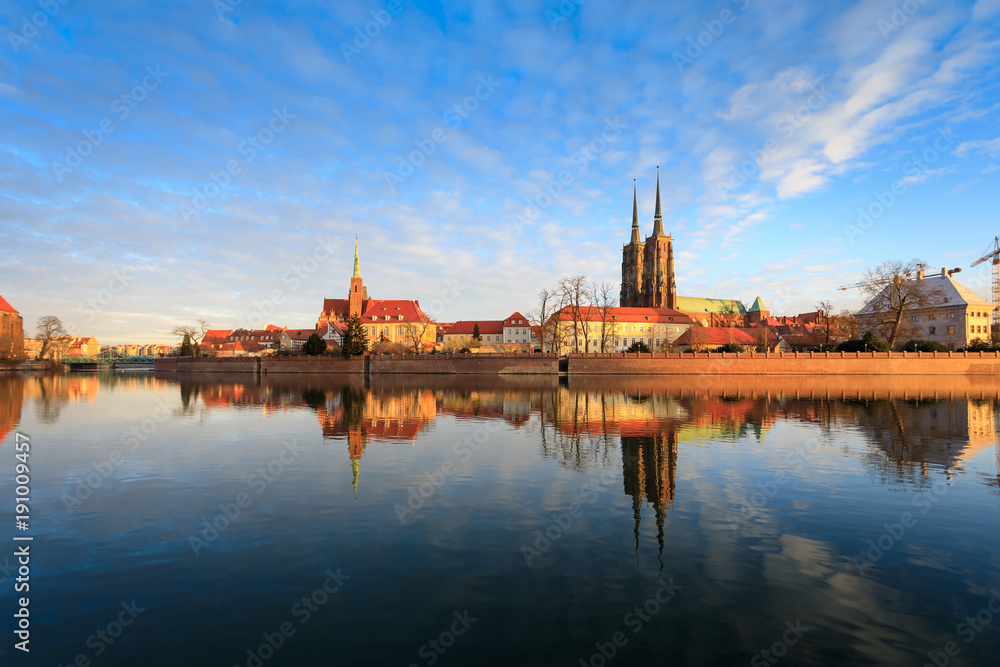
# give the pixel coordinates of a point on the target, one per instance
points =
(165, 163)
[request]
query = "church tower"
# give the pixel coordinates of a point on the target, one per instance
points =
(358, 292)
(658, 287)
(632, 256)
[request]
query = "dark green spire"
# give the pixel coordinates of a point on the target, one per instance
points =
(657, 217)
(635, 215)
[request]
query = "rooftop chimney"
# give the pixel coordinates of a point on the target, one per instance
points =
(944, 272)
(920, 273)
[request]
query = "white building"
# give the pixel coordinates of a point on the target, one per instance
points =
(955, 317)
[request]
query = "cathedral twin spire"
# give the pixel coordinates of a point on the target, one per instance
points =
(657, 215)
(648, 268)
(657, 218)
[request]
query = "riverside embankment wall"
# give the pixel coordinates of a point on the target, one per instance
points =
(482, 364)
(706, 363)
(788, 363)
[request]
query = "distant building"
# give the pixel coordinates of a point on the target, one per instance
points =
(490, 331)
(259, 341)
(11, 332)
(622, 327)
(298, 337)
(213, 342)
(395, 321)
(714, 312)
(955, 317)
(700, 338)
(83, 346)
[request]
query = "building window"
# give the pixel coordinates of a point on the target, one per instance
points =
(951, 330)
(932, 330)
(932, 316)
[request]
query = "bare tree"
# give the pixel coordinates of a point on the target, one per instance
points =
(195, 334)
(456, 344)
(416, 331)
(893, 288)
(846, 324)
(697, 336)
(602, 294)
(729, 316)
(53, 336)
(545, 317)
(765, 338)
(824, 309)
(575, 293)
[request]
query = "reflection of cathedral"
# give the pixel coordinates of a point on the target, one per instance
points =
(364, 416)
(649, 465)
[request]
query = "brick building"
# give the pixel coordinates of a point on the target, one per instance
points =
(954, 316)
(614, 329)
(392, 320)
(648, 267)
(11, 332)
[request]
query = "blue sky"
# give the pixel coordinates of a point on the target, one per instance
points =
(161, 164)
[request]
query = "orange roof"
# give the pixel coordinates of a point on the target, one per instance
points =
(715, 336)
(6, 306)
(215, 336)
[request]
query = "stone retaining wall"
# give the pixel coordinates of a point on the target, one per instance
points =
(789, 363)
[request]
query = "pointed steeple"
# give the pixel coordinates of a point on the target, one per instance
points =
(635, 216)
(355, 465)
(357, 264)
(657, 217)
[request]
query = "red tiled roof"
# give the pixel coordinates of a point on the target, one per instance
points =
(215, 336)
(6, 306)
(516, 320)
(805, 340)
(715, 336)
(377, 310)
(653, 315)
(466, 327)
(301, 334)
(336, 305)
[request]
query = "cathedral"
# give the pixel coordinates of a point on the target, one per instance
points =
(648, 268)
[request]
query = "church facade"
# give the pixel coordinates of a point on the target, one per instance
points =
(391, 320)
(648, 267)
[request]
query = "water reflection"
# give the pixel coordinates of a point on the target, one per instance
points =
(911, 424)
(681, 446)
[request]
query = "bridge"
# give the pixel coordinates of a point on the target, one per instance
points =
(108, 360)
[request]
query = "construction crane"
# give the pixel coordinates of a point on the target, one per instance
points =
(851, 286)
(993, 255)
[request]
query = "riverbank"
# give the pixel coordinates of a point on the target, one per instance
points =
(706, 363)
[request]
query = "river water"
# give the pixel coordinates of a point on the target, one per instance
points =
(321, 520)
